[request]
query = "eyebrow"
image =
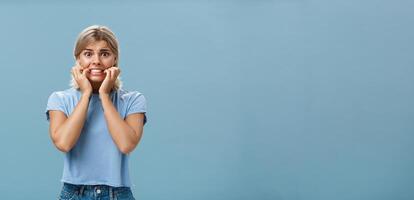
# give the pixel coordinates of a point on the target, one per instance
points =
(102, 50)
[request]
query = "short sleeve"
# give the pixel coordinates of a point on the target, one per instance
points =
(55, 102)
(137, 104)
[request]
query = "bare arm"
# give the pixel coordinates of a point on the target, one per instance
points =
(125, 133)
(65, 131)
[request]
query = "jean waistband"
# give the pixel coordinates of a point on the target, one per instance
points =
(100, 189)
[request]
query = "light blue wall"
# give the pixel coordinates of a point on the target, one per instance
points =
(266, 100)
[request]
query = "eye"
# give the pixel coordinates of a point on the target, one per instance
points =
(105, 54)
(87, 54)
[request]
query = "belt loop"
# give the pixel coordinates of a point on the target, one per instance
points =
(81, 190)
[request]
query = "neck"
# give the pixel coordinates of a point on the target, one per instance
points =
(95, 87)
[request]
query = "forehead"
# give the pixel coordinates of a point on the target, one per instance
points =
(97, 45)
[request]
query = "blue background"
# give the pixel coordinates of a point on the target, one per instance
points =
(265, 99)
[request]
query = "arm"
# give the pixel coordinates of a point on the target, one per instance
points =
(125, 133)
(65, 131)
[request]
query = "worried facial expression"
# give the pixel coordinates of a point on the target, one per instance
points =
(97, 57)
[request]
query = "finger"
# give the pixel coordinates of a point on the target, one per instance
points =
(74, 73)
(84, 71)
(78, 73)
(81, 70)
(115, 73)
(111, 73)
(107, 75)
(79, 65)
(88, 71)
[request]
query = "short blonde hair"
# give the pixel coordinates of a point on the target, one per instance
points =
(96, 33)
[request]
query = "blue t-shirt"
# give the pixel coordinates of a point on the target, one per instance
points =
(95, 158)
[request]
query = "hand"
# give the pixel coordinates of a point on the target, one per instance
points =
(109, 81)
(81, 79)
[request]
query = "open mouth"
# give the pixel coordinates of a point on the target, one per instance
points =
(97, 72)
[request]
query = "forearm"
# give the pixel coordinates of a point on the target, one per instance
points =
(68, 133)
(122, 134)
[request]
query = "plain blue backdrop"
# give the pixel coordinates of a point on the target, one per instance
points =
(249, 99)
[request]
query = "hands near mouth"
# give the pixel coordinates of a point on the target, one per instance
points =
(112, 74)
(81, 77)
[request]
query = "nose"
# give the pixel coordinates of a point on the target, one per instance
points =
(96, 60)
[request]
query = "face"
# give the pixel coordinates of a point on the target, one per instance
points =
(97, 56)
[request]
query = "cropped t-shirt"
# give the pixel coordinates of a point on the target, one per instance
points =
(95, 158)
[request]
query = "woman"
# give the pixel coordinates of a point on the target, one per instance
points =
(96, 123)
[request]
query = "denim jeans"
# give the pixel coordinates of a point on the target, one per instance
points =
(94, 192)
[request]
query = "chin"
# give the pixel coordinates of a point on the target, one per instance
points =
(96, 79)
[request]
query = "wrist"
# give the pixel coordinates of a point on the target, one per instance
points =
(103, 95)
(86, 96)
(86, 92)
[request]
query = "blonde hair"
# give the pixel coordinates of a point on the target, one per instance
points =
(96, 33)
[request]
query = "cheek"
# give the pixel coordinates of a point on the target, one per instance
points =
(108, 62)
(84, 62)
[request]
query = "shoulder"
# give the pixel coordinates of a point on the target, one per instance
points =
(64, 94)
(129, 94)
(61, 100)
(134, 101)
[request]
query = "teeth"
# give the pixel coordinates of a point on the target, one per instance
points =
(96, 71)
